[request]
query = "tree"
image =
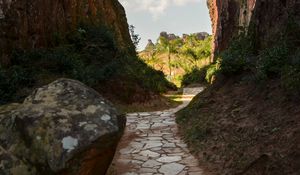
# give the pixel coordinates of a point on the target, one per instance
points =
(195, 49)
(169, 46)
(134, 37)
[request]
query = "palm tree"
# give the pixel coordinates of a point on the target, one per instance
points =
(196, 50)
(169, 46)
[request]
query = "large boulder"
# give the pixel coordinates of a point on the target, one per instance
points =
(62, 128)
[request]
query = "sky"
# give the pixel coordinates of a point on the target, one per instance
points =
(150, 17)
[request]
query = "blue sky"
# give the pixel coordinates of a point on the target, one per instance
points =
(150, 17)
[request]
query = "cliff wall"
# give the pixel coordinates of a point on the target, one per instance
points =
(267, 18)
(34, 23)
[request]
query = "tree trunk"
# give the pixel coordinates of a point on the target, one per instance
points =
(170, 67)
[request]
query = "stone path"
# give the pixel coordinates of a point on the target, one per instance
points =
(151, 144)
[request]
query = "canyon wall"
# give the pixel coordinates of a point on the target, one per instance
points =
(267, 18)
(33, 23)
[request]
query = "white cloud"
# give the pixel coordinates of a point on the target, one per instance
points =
(155, 7)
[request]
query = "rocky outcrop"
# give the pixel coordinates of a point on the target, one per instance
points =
(150, 46)
(172, 36)
(34, 23)
(199, 35)
(169, 36)
(62, 128)
(268, 19)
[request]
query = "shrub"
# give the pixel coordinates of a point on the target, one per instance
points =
(4, 86)
(140, 72)
(290, 75)
(197, 75)
(236, 58)
(88, 54)
(291, 79)
(211, 72)
(11, 80)
(271, 60)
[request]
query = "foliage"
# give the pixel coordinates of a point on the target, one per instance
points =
(211, 72)
(88, 54)
(271, 60)
(170, 47)
(192, 53)
(280, 60)
(143, 74)
(201, 75)
(290, 75)
(184, 56)
(196, 49)
(11, 79)
(134, 37)
(237, 57)
(195, 76)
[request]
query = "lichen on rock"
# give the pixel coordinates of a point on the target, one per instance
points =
(56, 128)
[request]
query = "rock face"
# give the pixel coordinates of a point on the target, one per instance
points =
(34, 23)
(172, 36)
(150, 46)
(268, 18)
(199, 35)
(169, 36)
(62, 128)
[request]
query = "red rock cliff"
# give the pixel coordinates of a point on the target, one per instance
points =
(32, 23)
(269, 18)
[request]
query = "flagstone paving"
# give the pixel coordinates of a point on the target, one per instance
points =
(151, 144)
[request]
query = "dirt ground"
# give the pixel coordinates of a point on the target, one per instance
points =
(244, 128)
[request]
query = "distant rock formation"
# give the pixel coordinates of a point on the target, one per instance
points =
(172, 36)
(199, 35)
(62, 128)
(164, 34)
(150, 45)
(185, 36)
(169, 36)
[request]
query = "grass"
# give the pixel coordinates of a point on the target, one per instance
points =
(168, 100)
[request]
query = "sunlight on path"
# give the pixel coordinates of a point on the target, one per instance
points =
(151, 144)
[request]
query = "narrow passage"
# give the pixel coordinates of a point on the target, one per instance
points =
(151, 144)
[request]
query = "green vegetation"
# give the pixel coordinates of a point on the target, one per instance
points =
(11, 80)
(89, 54)
(280, 60)
(212, 72)
(170, 47)
(195, 76)
(183, 60)
(236, 58)
(134, 37)
(258, 87)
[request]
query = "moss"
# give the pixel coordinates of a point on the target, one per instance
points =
(8, 108)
